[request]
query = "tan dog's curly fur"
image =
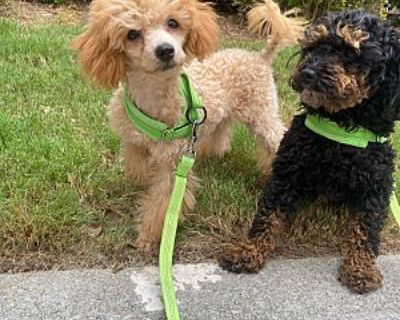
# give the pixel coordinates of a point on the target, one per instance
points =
(234, 85)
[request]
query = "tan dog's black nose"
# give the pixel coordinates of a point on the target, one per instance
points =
(165, 52)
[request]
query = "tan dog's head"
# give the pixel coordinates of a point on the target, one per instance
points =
(154, 36)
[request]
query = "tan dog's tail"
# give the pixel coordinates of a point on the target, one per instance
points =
(278, 29)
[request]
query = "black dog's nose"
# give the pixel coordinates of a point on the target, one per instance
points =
(308, 75)
(165, 52)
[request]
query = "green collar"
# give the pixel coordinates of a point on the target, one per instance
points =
(359, 137)
(156, 130)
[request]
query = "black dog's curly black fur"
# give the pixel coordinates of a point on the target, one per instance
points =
(353, 58)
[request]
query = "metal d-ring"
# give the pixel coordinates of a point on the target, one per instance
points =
(197, 122)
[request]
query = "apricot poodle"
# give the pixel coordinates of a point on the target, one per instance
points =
(143, 46)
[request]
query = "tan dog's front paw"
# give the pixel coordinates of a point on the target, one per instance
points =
(360, 279)
(242, 258)
(145, 245)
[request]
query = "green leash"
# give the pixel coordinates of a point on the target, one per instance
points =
(359, 137)
(395, 208)
(171, 224)
(168, 237)
(155, 130)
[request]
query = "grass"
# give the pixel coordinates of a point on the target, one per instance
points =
(62, 192)
(57, 154)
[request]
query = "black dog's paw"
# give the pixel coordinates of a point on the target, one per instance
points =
(242, 258)
(361, 279)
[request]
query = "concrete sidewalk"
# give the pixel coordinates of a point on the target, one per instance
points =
(286, 289)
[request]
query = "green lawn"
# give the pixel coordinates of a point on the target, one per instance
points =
(61, 186)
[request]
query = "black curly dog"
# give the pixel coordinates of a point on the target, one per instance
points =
(349, 72)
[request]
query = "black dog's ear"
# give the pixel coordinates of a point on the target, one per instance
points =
(392, 42)
(391, 84)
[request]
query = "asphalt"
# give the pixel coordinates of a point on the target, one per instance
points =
(286, 289)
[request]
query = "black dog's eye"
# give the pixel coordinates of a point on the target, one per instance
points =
(133, 35)
(173, 24)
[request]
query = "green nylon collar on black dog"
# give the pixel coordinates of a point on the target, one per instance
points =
(359, 137)
(158, 131)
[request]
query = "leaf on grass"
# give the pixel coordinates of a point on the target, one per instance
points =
(94, 230)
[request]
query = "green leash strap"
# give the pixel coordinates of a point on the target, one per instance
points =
(159, 131)
(186, 127)
(168, 237)
(394, 207)
(356, 138)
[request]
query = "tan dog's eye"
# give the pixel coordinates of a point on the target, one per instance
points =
(173, 24)
(133, 35)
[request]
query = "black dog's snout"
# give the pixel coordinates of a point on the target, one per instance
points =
(165, 52)
(308, 76)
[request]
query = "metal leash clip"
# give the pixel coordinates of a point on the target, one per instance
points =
(195, 124)
(190, 146)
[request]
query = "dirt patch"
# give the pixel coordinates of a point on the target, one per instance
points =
(302, 241)
(235, 26)
(32, 14)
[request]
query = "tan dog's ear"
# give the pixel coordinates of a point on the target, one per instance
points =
(203, 36)
(101, 53)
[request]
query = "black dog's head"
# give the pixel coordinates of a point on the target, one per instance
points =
(349, 58)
